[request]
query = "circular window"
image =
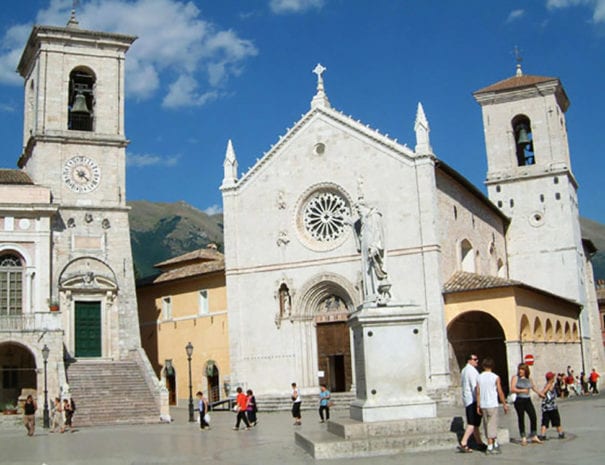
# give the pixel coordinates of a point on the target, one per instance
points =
(323, 217)
(536, 219)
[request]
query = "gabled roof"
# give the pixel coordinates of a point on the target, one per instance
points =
(200, 255)
(463, 281)
(14, 177)
(192, 264)
(515, 82)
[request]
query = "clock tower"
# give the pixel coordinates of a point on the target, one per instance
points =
(74, 144)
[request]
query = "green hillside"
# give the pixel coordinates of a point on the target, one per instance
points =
(164, 230)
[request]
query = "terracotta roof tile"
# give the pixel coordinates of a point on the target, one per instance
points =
(198, 255)
(515, 82)
(191, 270)
(464, 281)
(14, 177)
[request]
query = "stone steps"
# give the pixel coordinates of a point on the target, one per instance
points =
(341, 400)
(108, 392)
(351, 438)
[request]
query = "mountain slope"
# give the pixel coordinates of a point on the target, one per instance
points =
(596, 233)
(164, 230)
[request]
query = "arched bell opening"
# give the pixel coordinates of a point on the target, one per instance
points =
(524, 145)
(81, 99)
(479, 333)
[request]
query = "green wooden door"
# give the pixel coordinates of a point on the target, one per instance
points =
(88, 329)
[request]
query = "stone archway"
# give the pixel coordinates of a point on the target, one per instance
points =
(17, 372)
(322, 307)
(479, 333)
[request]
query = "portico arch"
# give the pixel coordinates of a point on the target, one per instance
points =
(480, 333)
(321, 309)
(18, 371)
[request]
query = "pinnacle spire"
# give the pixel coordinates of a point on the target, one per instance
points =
(229, 166)
(423, 143)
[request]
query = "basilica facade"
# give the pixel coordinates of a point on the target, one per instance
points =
(505, 275)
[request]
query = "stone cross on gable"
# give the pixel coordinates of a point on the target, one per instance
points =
(319, 70)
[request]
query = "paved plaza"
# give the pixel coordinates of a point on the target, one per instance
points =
(272, 442)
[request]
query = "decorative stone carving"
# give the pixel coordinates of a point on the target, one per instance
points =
(282, 238)
(88, 217)
(281, 200)
(105, 224)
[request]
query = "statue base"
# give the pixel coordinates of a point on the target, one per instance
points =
(390, 357)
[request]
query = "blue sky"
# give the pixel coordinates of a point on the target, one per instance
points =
(203, 72)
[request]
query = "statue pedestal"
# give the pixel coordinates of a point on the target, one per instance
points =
(390, 358)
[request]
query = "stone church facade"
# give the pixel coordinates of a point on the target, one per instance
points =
(294, 272)
(68, 281)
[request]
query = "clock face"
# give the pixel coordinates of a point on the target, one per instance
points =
(81, 174)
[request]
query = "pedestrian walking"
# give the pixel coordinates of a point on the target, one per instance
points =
(489, 390)
(58, 418)
(550, 411)
(241, 406)
(29, 415)
(296, 401)
(202, 407)
(593, 379)
(251, 410)
(69, 407)
(522, 385)
(469, 378)
(324, 402)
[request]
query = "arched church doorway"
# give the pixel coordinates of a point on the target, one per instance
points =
(333, 344)
(212, 374)
(18, 372)
(479, 333)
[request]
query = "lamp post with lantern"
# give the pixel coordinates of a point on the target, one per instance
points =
(46, 418)
(189, 350)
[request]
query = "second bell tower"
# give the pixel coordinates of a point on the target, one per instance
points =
(530, 179)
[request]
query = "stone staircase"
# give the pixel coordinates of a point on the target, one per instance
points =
(110, 392)
(341, 400)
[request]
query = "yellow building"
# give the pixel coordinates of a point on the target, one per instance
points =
(187, 302)
(508, 321)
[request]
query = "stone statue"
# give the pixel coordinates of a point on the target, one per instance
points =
(370, 242)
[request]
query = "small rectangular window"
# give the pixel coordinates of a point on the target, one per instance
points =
(203, 302)
(166, 308)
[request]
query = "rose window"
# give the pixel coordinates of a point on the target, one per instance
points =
(324, 216)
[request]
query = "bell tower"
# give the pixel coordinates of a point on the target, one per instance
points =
(74, 144)
(529, 177)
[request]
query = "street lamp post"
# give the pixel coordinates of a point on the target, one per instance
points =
(46, 421)
(189, 350)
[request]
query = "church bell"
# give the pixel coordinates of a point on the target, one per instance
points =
(523, 139)
(79, 105)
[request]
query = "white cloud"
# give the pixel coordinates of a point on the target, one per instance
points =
(294, 6)
(213, 210)
(514, 15)
(597, 7)
(7, 108)
(175, 45)
(141, 160)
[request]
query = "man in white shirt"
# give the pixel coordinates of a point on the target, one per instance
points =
(469, 399)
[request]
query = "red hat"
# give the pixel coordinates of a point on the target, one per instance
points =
(550, 375)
